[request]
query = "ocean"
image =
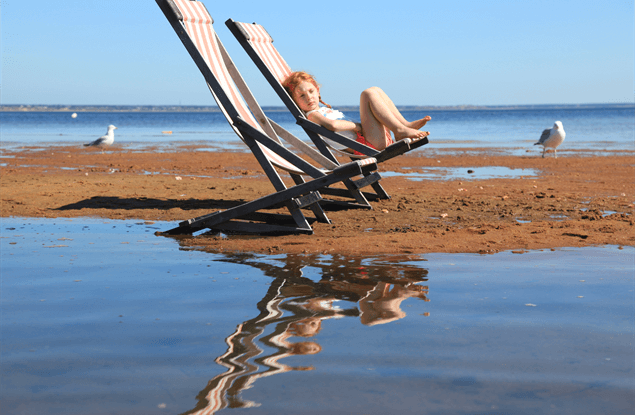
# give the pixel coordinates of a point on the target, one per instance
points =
(593, 128)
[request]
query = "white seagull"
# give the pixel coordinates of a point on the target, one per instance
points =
(104, 140)
(552, 138)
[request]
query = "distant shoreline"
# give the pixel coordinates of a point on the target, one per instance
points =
(210, 108)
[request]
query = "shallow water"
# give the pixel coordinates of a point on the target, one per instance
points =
(512, 130)
(456, 173)
(101, 317)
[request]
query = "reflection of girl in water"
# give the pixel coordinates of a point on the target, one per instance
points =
(382, 304)
(307, 327)
(295, 306)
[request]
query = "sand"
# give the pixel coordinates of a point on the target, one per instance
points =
(579, 199)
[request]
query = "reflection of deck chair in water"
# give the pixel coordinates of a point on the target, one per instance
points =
(258, 347)
(259, 46)
(193, 25)
(291, 315)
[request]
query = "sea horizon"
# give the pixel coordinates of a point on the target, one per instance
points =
(275, 108)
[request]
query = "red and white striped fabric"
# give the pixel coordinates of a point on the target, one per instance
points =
(198, 25)
(263, 45)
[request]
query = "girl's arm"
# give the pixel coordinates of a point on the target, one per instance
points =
(334, 125)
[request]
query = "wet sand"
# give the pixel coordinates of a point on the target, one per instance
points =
(579, 199)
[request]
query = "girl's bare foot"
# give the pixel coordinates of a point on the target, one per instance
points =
(409, 133)
(418, 124)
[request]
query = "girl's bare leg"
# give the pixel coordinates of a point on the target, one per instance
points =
(376, 112)
(417, 124)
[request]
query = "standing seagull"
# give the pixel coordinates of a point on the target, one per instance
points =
(552, 138)
(104, 140)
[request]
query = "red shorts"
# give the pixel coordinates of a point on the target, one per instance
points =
(362, 140)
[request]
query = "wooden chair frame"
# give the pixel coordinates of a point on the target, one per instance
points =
(193, 24)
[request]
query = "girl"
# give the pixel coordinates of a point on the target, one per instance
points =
(377, 112)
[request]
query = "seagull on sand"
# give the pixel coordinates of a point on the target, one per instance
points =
(552, 138)
(104, 140)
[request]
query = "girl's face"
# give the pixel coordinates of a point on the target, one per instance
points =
(307, 96)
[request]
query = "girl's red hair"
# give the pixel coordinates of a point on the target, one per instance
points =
(296, 78)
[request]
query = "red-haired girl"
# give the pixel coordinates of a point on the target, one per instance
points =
(378, 114)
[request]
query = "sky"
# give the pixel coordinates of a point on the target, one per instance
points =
(455, 52)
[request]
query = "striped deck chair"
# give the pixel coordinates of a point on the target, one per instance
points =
(259, 46)
(194, 26)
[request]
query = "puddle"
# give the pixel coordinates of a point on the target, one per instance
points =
(603, 213)
(465, 173)
(559, 218)
(101, 316)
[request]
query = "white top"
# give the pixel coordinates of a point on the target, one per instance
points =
(332, 114)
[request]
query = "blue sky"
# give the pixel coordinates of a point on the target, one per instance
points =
(488, 52)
